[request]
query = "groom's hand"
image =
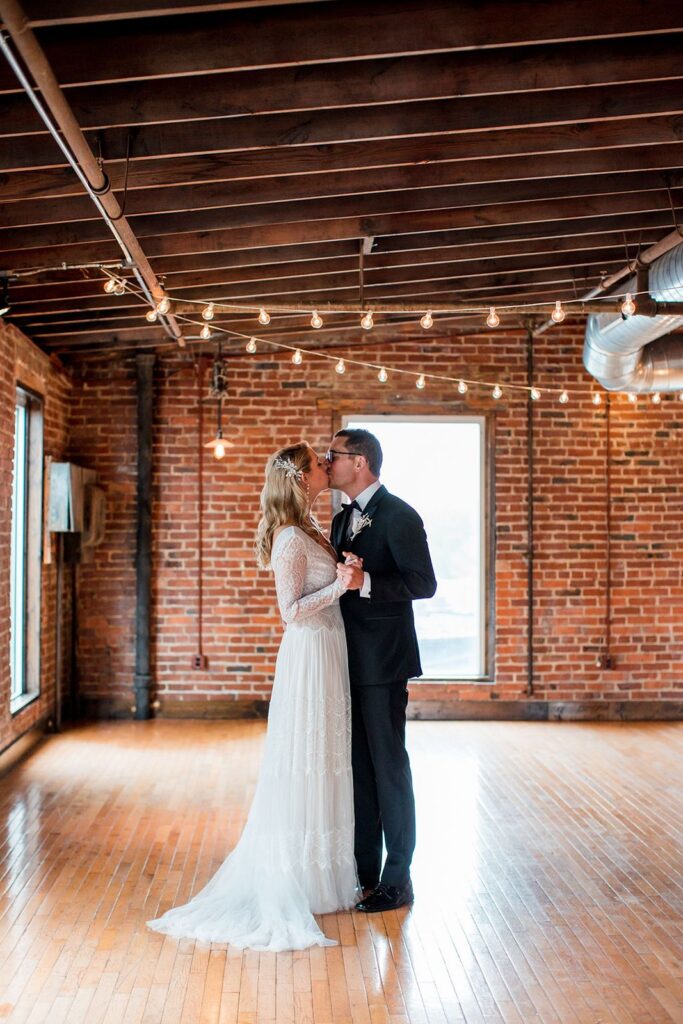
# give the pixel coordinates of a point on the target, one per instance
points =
(351, 559)
(351, 575)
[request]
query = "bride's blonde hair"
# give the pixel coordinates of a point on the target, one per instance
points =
(284, 498)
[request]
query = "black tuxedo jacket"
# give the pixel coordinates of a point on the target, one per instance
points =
(380, 630)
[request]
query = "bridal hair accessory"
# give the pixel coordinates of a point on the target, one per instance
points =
(288, 468)
(359, 525)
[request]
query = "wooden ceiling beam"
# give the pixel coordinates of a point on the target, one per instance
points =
(571, 218)
(87, 293)
(203, 196)
(313, 160)
(318, 285)
(44, 13)
(234, 40)
(363, 124)
(464, 202)
(359, 84)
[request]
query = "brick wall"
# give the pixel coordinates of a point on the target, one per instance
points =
(272, 402)
(21, 362)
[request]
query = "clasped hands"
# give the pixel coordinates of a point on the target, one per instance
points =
(350, 571)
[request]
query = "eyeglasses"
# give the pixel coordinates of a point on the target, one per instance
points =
(331, 454)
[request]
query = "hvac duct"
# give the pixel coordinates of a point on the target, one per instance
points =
(631, 354)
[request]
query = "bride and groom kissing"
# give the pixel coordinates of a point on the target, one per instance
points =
(335, 786)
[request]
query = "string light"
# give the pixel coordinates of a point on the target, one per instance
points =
(341, 367)
(263, 317)
(497, 391)
(492, 319)
(251, 346)
(564, 397)
(151, 316)
(366, 321)
(383, 377)
(208, 312)
(558, 313)
(632, 397)
(205, 333)
(297, 358)
(680, 396)
(628, 306)
(597, 398)
(163, 305)
(421, 383)
(535, 394)
(462, 387)
(109, 285)
(119, 287)
(316, 319)
(427, 320)
(656, 398)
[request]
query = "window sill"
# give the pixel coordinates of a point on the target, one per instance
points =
(18, 704)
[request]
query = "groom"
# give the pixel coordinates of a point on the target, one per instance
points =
(383, 542)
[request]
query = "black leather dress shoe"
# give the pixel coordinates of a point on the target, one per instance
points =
(386, 897)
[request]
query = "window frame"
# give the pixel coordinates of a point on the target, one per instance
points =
(486, 531)
(31, 551)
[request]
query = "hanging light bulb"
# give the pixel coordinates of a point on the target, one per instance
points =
(427, 320)
(297, 358)
(497, 391)
(119, 287)
(462, 387)
(492, 319)
(263, 317)
(628, 306)
(656, 398)
(205, 332)
(535, 394)
(680, 396)
(251, 346)
(366, 321)
(151, 316)
(564, 397)
(632, 397)
(163, 305)
(110, 285)
(208, 312)
(421, 383)
(597, 398)
(316, 319)
(558, 313)
(341, 367)
(383, 377)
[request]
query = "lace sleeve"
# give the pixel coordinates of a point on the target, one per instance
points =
(289, 567)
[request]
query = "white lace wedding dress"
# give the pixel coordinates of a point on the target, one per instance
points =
(295, 856)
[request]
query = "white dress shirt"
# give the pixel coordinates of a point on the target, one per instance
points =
(362, 501)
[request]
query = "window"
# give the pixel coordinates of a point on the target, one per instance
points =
(437, 465)
(27, 499)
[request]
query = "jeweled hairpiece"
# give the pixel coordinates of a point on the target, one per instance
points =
(288, 467)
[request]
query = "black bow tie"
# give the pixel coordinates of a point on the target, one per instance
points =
(351, 505)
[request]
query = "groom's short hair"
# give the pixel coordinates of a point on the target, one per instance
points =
(366, 444)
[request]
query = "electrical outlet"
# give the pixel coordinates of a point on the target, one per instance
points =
(604, 661)
(200, 662)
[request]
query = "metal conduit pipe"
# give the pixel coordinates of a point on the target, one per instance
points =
(75, 147)
(631, 354)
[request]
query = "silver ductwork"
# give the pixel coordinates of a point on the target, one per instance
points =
(632, 354)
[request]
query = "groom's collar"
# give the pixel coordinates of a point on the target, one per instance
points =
(363, 499)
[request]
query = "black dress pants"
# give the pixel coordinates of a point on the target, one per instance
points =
(382, 783)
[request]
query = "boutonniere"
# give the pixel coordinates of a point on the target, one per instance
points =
(359, 525)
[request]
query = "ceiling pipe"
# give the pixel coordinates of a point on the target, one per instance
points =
(76, 149)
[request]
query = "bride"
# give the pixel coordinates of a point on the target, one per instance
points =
(295, 857)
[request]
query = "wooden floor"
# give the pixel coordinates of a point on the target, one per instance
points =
(548, 882)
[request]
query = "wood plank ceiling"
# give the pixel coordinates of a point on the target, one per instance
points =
(496, 151)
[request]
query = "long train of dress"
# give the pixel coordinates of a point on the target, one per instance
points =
(295, 856)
